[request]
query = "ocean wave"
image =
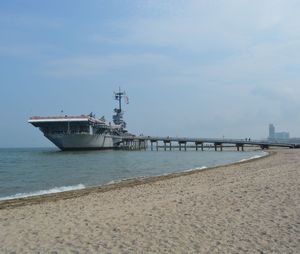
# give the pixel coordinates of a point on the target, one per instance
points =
(253, 157)
(112, 182)
(194, 169)
(44, 192)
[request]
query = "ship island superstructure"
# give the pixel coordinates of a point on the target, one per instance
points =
(85, 132)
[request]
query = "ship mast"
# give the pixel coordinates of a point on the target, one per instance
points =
(118, 97)
(118, 117)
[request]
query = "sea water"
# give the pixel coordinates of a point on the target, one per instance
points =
(35, 171)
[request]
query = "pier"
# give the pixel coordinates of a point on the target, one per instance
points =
(133, 143)
(182, 143)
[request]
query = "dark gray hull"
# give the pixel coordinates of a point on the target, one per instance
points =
(84, 141)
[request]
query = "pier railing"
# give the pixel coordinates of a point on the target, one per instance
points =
(217, 143)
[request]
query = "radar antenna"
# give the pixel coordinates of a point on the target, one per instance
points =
(118, 117)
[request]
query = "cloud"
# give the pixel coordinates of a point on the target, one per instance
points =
(25, 50)
(29, 21)
(286, 93)
(88, 65)
(215, 25)
(229, 42)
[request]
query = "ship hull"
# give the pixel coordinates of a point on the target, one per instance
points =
(84, 141)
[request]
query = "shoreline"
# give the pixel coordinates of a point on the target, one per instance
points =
(126, 183)
(250, 206)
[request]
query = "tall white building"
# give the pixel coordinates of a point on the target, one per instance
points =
(271, 131)
(277, 136)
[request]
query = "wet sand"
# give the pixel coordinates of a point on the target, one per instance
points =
(249, 207)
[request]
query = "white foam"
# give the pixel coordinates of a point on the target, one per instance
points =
(121, 180)
(194, 169)
(111, 182)
(44, 192)
(253, 157)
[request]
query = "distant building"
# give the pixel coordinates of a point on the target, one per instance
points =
(277, 136)
(271, 131)
(282, 135)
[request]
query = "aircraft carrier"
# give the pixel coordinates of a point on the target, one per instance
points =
(85, 132)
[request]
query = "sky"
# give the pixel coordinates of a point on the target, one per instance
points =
(191, 68)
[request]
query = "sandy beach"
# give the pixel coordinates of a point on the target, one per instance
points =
(250, 207)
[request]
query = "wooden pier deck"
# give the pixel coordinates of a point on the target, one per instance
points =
(199, 142)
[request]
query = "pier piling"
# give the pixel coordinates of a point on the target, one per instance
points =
(197, 143)
(180, 143)
(165, 144)
(238, 146)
